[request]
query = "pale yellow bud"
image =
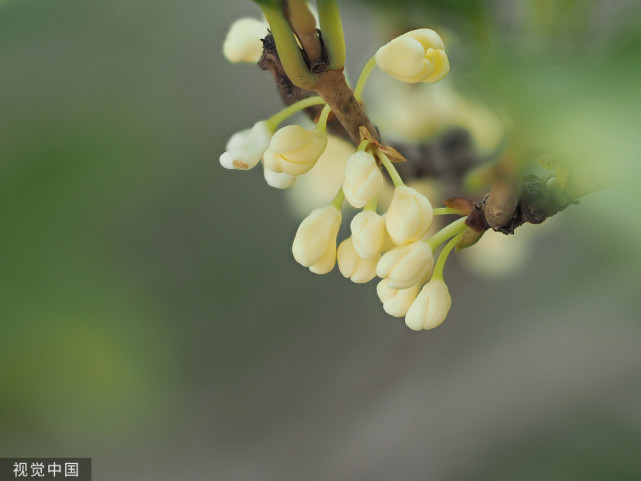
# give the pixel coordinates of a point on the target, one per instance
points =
(294, 150)
(416, 56)
(315, 242)
(363, 179)
(368, 234)
(406, 266)
(243, 41)
(409, 216)
(245, 148)
(396, 302)
(430, 307)
(354, 267)
(278, 180)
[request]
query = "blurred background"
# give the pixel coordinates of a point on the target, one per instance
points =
(152, 316)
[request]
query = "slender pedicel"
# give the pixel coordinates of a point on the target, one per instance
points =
(275, 120)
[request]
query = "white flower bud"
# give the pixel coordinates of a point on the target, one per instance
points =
(409, 216)
(315, 242)
(245, 148)
(368, 234)
(278, 180)
(354, 267)
(406, 266)
(243, 41)
(396, 302)
(415, 56)
(363, 179)
(430, 307)
(294, 150)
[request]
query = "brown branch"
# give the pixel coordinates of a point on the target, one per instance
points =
(331, 86)
(539, 200)
(340, 98)
(290, 93)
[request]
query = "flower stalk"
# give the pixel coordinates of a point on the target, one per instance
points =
(446, 232)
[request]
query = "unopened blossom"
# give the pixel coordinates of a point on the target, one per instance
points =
(245, 148)
(430, 307)
(315, 242)
(294, 150)
(406, 266)
(396, 302)
(353, 266)
(278, 180)
(416, 56)
(409, 216)
(363, 179)
(368, 234)
(243, 42)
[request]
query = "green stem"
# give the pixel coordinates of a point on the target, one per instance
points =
(446, 232)
(275, 120)
(371, 205)
(332, 31)
(322, 120)
(391, 170)
(446, 211)
(440, 263)
(338, 199)
(289, 52)
(363, 145)
(362, 79)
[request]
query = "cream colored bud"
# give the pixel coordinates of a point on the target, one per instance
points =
(416, 56)
(315, 242)
(430, 307)
(396, 302)
(243, 41)
(406, 266)
(278, 180)
(368, 234)
(353, 266)
(294, 150)
(363, 179)
(409, 216)
(245, 148)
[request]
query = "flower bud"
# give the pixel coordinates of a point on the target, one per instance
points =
(430, 307)
(409, 216)
(315, 242)
(415, 56)
(368, 234)
(363, 179)
(354, 267)
(243, 41)
(406, 266)
(396, 302)
(278, 180)
(294, 150)
(245, 148)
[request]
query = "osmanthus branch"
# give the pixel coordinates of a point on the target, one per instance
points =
(539, 199)
(449, 156)
(309, 64)
(508, 205)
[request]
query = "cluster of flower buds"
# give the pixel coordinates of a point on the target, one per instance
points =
(394, 245)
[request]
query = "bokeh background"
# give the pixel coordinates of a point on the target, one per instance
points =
(152, 316)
